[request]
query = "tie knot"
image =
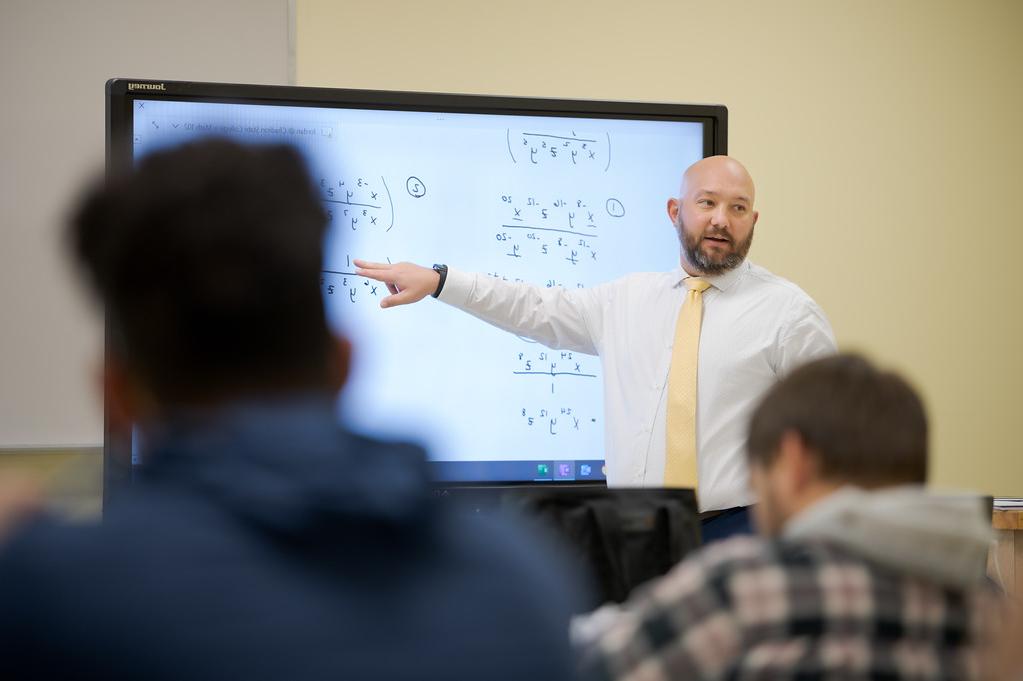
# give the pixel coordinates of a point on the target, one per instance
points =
(697, 284)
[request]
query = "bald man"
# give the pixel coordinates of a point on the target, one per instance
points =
(754, 328)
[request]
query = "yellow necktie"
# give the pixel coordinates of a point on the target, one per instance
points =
(680, 452)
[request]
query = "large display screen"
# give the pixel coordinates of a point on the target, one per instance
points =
(554, 193)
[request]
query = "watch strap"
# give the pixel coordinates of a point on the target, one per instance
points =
(442, 270)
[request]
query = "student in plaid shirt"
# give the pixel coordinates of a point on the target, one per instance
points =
(860, 574)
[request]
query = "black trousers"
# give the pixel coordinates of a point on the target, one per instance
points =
(718, 525)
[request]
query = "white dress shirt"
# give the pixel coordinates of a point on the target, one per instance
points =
(756, 327)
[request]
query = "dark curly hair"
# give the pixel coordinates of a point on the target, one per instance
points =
(207, 258)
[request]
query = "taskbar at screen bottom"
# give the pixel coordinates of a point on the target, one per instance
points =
(518, 471)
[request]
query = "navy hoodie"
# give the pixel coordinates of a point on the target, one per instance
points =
(266, 542)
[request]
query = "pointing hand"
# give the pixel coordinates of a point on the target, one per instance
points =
(407, 282)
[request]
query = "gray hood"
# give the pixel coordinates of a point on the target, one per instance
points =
(942, 537)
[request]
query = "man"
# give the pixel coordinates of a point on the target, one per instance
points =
(661, 424)
(261, 540)
(861, 574)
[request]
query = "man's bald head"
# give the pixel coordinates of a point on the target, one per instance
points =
(716, 170)
(714, 215)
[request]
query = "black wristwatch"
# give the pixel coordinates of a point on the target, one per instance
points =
(442, 270)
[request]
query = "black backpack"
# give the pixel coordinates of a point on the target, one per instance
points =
(625, 536)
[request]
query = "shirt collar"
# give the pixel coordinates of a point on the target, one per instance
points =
(722, 281)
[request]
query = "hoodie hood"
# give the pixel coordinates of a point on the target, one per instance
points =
(290, 469)
(940, 537)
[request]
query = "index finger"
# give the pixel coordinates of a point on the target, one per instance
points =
(373, 274)
(367, 265)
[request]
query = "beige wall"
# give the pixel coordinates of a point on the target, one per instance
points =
(885, 137)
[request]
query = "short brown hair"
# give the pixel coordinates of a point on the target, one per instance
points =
(868, 427)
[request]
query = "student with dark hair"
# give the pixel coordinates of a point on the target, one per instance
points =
(860, 572)
(261, 540)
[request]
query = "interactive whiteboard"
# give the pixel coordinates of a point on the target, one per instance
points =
(552, 200)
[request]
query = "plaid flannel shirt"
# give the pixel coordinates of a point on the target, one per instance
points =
(748, 608)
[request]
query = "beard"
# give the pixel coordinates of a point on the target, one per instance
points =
(712, 264)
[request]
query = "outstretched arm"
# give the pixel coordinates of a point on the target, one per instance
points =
(556, 317)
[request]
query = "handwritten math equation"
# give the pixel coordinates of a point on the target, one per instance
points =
(553, 365)
(545, 363)
(555, 228)
(556, 420)
(560, 149)
(358, 203)
(345, 284)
